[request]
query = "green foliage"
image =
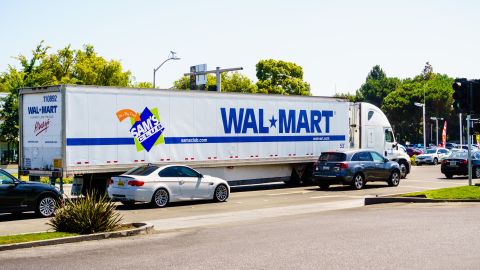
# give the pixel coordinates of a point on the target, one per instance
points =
(66, 66)
(86, 215)
(465, 193)
(377, 86)
(347, 96)
(231, 82)
(280, 77)
(413, 160)
(142, 85)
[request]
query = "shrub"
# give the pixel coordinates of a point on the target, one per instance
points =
(85, 215)
(412, 160)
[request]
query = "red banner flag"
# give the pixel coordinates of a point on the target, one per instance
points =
(444, 134)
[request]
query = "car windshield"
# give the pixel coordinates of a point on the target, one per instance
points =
(459, 155)
(431, 151)
(142, 170)
(332, 157)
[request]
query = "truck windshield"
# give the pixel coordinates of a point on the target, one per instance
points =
(332, 157)
(142, 170)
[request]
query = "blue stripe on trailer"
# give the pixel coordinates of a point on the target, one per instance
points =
(199, 140)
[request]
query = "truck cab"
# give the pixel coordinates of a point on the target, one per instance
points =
(370, 129)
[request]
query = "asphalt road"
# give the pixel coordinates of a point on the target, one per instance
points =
(399, 236)
(253, 202)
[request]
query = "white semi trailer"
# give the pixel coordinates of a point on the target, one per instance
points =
(92, 133)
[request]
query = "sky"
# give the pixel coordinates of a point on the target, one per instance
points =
(336, 42)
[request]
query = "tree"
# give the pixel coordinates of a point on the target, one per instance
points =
(280, 77)
(231, 82)
(347, 96)
(435, 90)
(66, 66)
(377, 86)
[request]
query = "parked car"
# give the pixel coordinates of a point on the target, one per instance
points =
(452, 151)
(19, 196)
(457, 164)
(465, 147)
(411, 151)
(354, 168)
(432, 156)
(162, 185)
(450, 145)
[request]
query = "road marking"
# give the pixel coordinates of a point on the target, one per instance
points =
(253, 214)
(288, 193)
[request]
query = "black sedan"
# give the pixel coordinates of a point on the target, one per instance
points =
(355, 168)
(20, 196)
(457, 164)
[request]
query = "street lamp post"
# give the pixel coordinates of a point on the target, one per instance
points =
(171, 56)
(424, 138)
(436, 124)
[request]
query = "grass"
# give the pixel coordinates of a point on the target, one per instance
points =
(22, 238)
(464, 192)
(29, 237)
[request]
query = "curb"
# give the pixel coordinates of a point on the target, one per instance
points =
(141, 228)
(379, 200)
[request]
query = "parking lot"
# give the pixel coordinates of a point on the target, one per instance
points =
(257, 201)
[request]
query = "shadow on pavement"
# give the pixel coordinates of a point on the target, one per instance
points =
(17, 216)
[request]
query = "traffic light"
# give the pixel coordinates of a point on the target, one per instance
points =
(475, 96)
(461, 95)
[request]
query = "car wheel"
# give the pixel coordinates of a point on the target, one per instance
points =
(403, 169)
(358, 182)
(160, 198)
(221, 193)
(476, 172)
(449, 176)
(435, 161)
(324, 186)
(394, 179)
(46, 206)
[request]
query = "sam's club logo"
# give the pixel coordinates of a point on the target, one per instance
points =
(146, 128)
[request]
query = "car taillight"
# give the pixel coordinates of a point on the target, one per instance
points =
(342, 165)
(464, 162)
(135, 183)
(444, 162)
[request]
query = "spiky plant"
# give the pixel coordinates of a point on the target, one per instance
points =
(86, 215)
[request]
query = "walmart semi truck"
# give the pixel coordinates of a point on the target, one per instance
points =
(91, 133)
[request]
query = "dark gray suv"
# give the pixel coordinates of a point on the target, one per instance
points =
(354, 168)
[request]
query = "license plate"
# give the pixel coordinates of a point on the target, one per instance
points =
(453, 163)
(120, 183)
(325, 168)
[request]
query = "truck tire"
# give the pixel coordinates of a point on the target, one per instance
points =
(403, 168)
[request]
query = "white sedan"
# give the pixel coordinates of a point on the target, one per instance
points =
(165, 184)
(432, 156)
